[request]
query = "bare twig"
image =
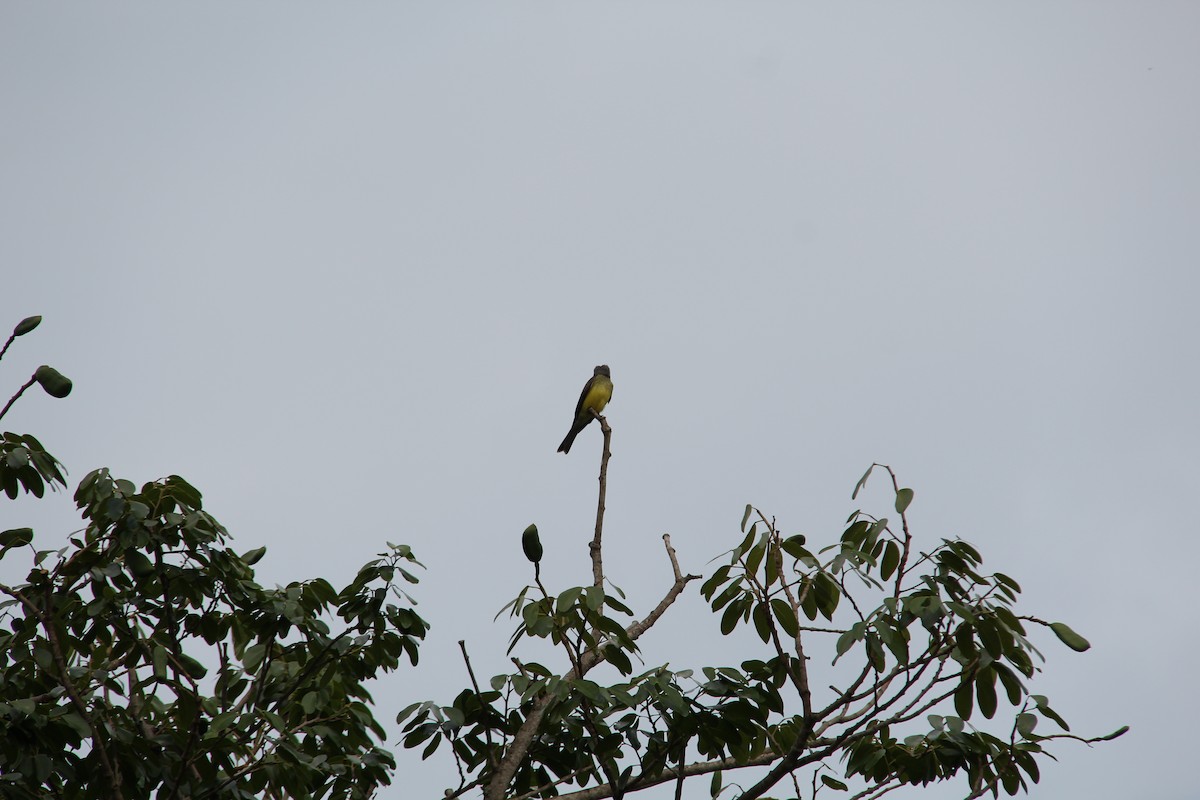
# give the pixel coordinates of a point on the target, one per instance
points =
(491, 756)
(671, 773)
(20, 392)
(597, 557)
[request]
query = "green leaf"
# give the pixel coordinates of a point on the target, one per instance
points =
(220, 723)
(192, 667)
(1026, 723)
(786, 616)
(862, 482)
(746, 516)
(531, 544)
(847, 640)
(729, 619)
(794, 547)
(875, 652)
(904, 498)
(1004, 580)
(138, 564)
(160, 658)
(26, 325)
(184, 492)
(78, 724)
(755, 558)
(856, 533)
(728, 593)
(53, 381)
(1012, 684)
(808, 601)
(253, 657)
(714, 787)
(891, 560)
(616, 656)
(990, 636)
(710, 586)
(252, 557)
(762, 621)
(964, 699)
(15, 537)
(896, 639)
(1069, 637)
(1043, 705)
(828, 594)
(751, 535)
(568, 598)
(833, 783)
(1121, 731)
(985, 692)
(774, 567)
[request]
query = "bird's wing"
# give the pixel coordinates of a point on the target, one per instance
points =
(587, 387)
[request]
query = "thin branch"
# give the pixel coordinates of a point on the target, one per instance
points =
(597, 557)
(638, 628)
(491, 756)
(877, 791)
(20, 392)
(672, 773)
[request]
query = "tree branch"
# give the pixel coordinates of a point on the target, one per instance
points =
(606, 453)
(491, 753)
(20, 392)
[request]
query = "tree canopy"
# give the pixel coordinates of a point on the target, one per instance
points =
(142, 659)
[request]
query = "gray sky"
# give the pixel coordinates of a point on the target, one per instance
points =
(345, 269)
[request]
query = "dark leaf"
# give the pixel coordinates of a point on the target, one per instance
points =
(15, 537)
(786, 616)
(891, 560)
(1069, 637)
(762, 621)
(252, 557)
(964, 699)
(833, 783)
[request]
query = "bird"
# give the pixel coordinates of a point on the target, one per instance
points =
(594, 397)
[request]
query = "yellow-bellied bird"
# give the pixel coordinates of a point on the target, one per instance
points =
(594, 397)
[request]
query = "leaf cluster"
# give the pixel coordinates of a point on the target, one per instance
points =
(928, 644)
(143, 658)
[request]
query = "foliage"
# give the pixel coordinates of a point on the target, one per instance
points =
(928, 645)
(143, 659)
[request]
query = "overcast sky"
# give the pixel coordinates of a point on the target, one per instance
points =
(346, 267)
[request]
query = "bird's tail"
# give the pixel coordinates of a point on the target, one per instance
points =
(565, 447)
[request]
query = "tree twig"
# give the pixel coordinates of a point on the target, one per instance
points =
(491, 756)
(20, 392)
(597, 556)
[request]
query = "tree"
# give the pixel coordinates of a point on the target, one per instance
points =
(927, 643)
(143, 660)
